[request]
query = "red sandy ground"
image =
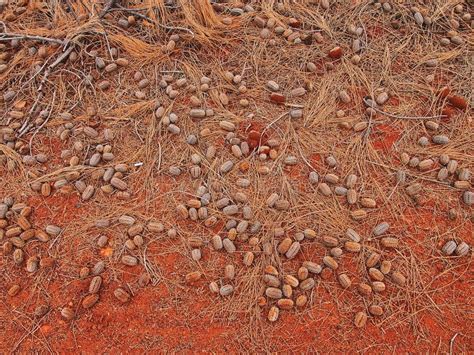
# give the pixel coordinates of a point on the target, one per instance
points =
(158, 320)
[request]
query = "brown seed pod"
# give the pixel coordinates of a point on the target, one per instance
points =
(285, 303)
(291, 280)
(67, 313)
(271, 280)
(309, 233)
(135, 230)
(273, 314)
(307, 284)
(360, 319)
(229, 246)
(303, 273)
(14, 290)
(375, 274)
(273, 292)
(372, 260)
(378, 286)
(270, 269)
(301, 300)
(226, 290)
(216, 242)
(155, 227)
(18, 256)
(98, 268)
(344, 280)
(398, 278)
(325, 189)
(358, 215)
(129, 260)
(351, 196)
(32, 264)
(84, 272)
(352, 247)
(293, 250)
(375, 310)
(385, 267)
(389, 242)
(122, 295)
(94, 285)
(284, 245)
(214, 287)
(287, 291)
(330, 241)
(330, 262)
(28, 234)
(248, 258)
(368, 202)
(364, 289)
(193, 276)
(41, 310)
(90, 300)
(312, 267)
(23, 223)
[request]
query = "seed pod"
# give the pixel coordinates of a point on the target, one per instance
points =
(271, 280)
(226, 290)
(231, 210)
(325, 189)
(313, 267)
(381, 228)
(273, 292)
(301, 300)
(364, 289)
(248, 258)
(292, 281)
(443, 174)
(360, 319)
(378, 286)
(389, 242)
(118, 184)
(344, 280)
(375, 310)
(440, 139)
(122, 295)
(226, 167)
(309, 233)
(229, 245)
(95, 284)
(285, 303)
(353, 235)
(155, 227)
(385, 267)
(449, 247)
(330, 262)
(398, 278)
(129, 260)
(307, 284)
(303, 273)
(468, 198)
(32, 264)
(90, 300)
(358, 215)
(331, 178)
(193, 276)
(375, 274)
(52, 230)
(352, 247)
(462, 249)
(368, 203)
(216, 242)
(273, 314)
(14, 290)
(18, 256)
(330, 241)
(135, 230)
(98, 268)
(41, 310)
(67, 313)
(463, 185)
(425, 165)
(372, 260)
(102, 241)
(293, 250)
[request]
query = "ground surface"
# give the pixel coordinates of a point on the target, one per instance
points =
(425, 80)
